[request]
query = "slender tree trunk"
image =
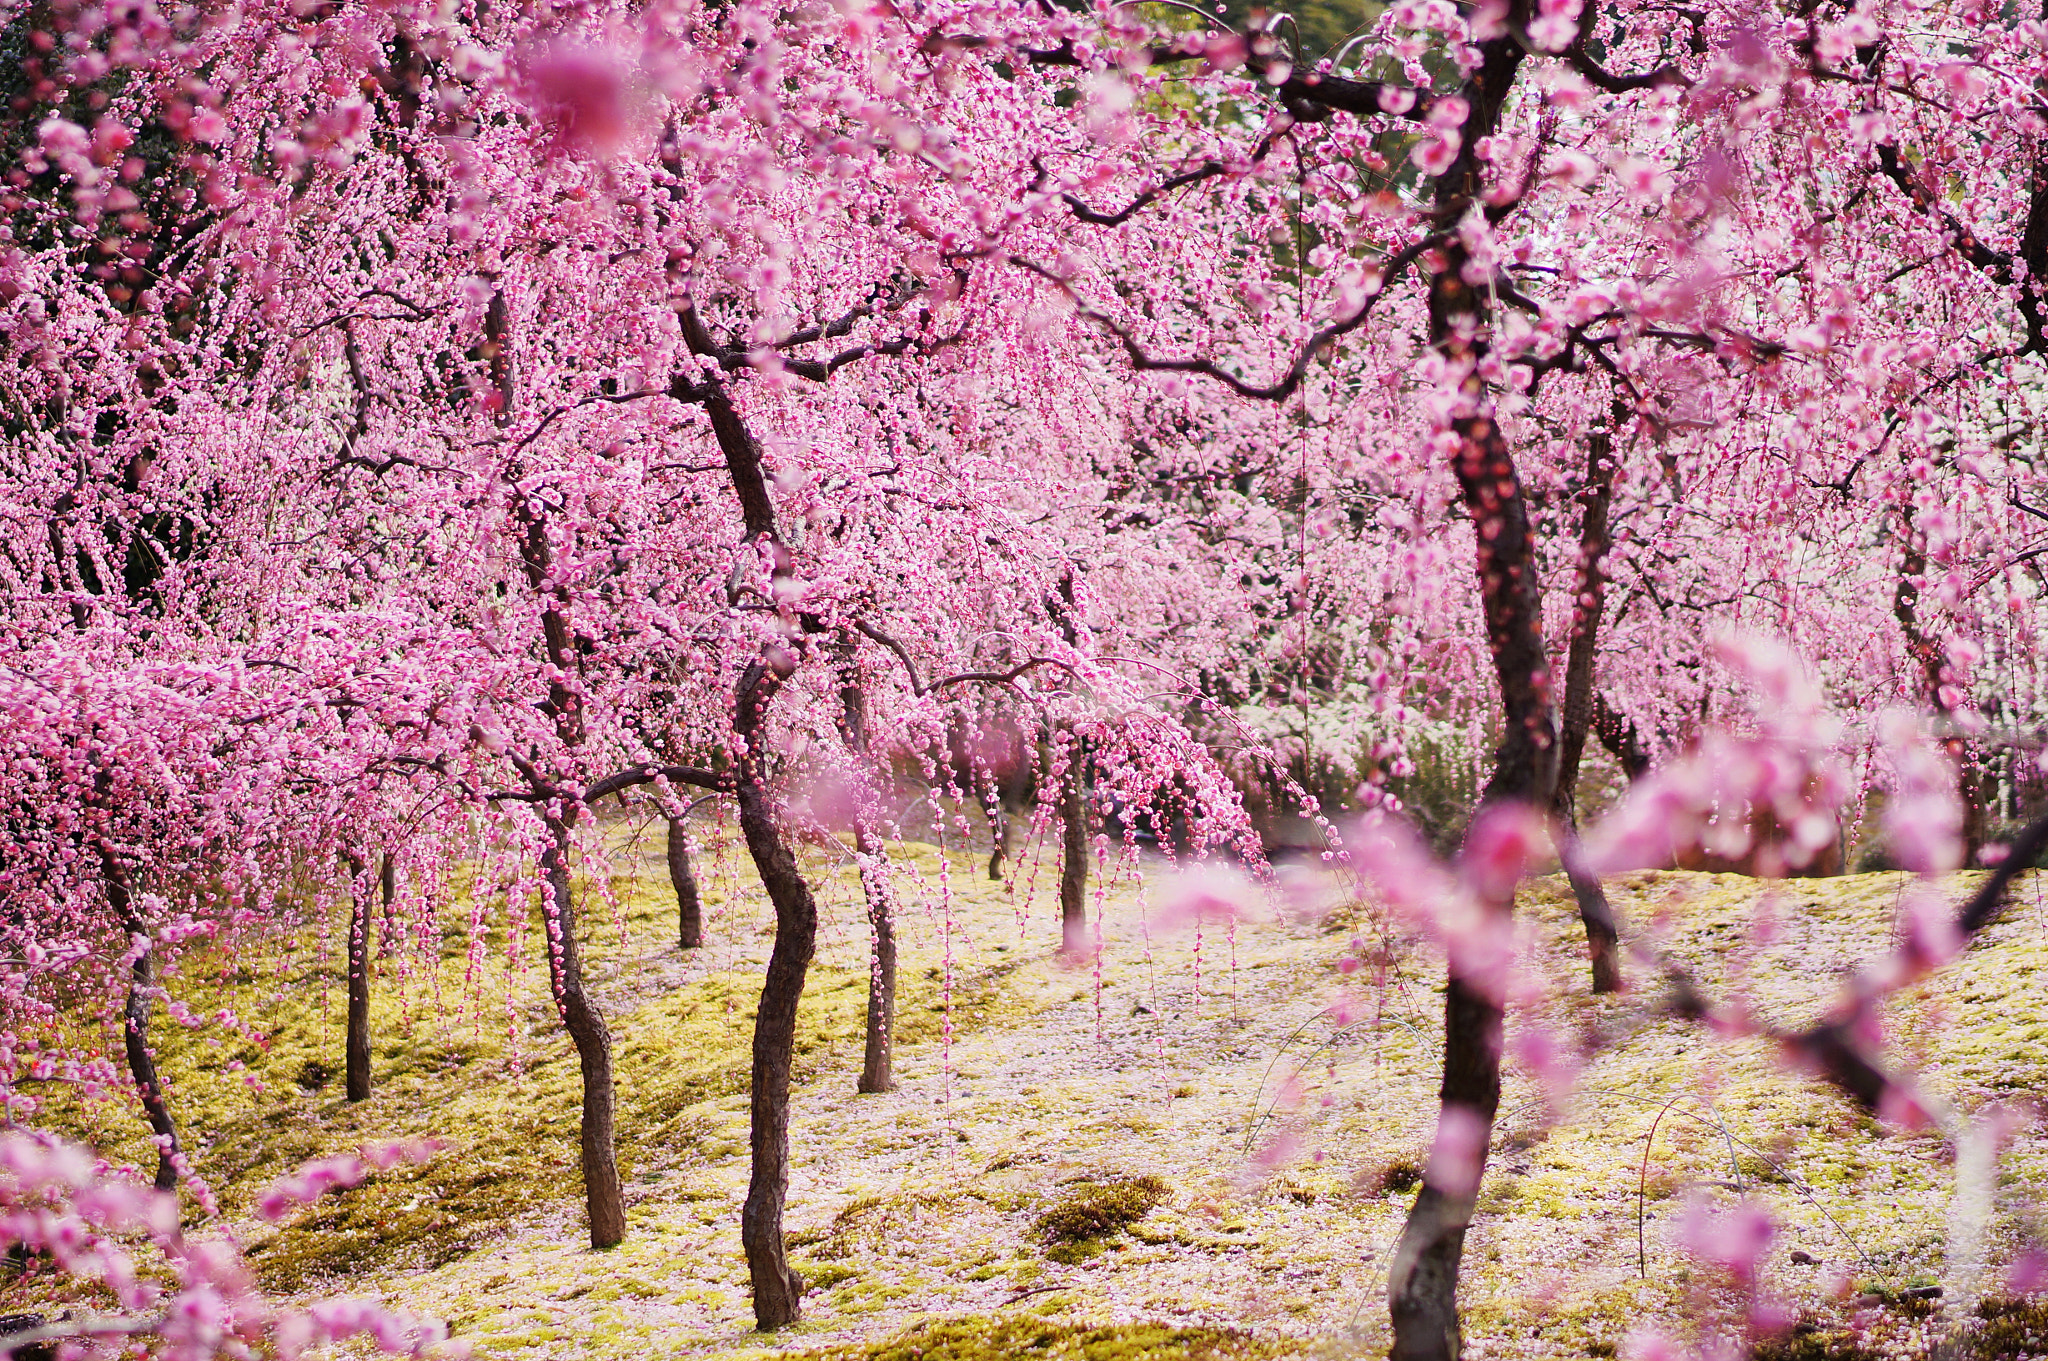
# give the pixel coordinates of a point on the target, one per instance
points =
(998, 838)
(877, 1071)
(593, 1039)
(1944, 695)
(361, 921)
(1618, 733)
(778, 1290)
(1422, 1277)
(1588, 597)
(683, 875)
(387, 885)
(135, 1024)
(1074, 855)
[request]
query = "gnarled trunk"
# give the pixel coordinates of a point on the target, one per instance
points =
(682, 875)
(603, 1195)
(357, 1043)
(778, 1290)
(135, 1023)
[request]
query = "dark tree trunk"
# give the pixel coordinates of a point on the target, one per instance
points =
(1422, 1278)
(877, 1070)
(387, 884)
(1943, 691)
(593, 1039)
(778, 1290)
(683, 876)
(1074, 855)
(1588, 596)
(1618, 733)
(1000, 831)
(361, 921)
(135, 1024)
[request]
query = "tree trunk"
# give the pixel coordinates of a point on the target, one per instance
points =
(1074, 855)
(1422, 1278)
(1588, 596)
(387, 884)
(999, 833)
(877, 1072)
(1618, 733)
(683, 875)
(778, 1290)
(580, 1017)
(1944, 694)
(361, 920)
(135, 1024)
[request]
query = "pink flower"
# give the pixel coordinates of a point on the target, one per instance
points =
(585, 94)
(1735, 1239)
(1457, 1159)
(1437, 154)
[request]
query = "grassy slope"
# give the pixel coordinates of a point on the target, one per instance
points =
(923, 1203)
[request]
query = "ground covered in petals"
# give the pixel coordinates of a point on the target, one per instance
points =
(1196, 1144)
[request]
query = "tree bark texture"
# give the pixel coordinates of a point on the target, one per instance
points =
(1422, 1278)
(877, 1070)
(361, 921)
(1624, 741)
(141, 1001)
(1589, 596)
(682, 875)
(778, 1290)
(1074, 852)
(387, 883)
(603, 1195)
(1944, 695)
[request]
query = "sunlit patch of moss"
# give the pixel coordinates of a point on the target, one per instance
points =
(458, 1050)
(1089, 1210)
(994, 1339)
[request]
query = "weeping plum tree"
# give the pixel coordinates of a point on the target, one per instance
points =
(713, 343)
(1443, 185)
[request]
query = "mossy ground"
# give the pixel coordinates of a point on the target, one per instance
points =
(1277, 1141)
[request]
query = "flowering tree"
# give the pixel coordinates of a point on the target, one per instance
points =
(176, 1297)
(1432, 204)
(516, 408)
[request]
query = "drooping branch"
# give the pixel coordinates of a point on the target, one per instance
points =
(1207, 170)
(1297, 370)
(1833, 1047)
(2001, 267)
(649, 772)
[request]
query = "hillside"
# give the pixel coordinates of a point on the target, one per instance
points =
(1099, 1149)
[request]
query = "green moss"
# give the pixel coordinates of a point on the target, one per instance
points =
(1089, 1210)
(991, 1339)
(1806, 1342)
(2011, 1328)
